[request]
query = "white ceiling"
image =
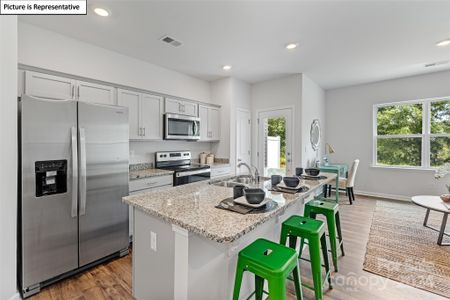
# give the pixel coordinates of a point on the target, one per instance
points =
(341, 43)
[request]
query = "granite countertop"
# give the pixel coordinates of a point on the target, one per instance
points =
(177, 206)
(146, 173)
(219, 165)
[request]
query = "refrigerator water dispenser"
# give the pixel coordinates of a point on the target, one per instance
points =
(51, 177)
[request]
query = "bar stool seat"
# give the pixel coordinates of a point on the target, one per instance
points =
(314, 231)
(268, 261)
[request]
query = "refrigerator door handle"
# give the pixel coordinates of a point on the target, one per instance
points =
(74, 210)
(82, 172)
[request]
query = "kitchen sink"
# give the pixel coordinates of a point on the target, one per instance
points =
(226, 183)
(238, 180)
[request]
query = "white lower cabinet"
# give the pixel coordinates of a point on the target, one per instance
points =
(144, 185)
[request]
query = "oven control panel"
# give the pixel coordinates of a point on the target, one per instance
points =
(172, 155)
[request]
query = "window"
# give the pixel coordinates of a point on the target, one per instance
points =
(413, 134)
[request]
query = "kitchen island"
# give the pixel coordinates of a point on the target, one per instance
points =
(185, 248)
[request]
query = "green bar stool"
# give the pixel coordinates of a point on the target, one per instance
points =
(268, 261)
(314, 231)
(331, 212)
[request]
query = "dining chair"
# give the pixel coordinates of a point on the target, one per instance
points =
(347, 184)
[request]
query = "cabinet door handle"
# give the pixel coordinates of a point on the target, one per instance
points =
(140, 131)
(73, 91)
(144, 132)
(78, 89)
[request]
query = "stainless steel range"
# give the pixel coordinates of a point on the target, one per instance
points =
(184, 171)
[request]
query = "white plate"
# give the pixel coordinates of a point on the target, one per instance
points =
(243, 201)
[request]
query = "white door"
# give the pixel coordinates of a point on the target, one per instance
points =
(214, 123)
(274, 142)
(243, 138)
(48, 86)
(151, 110)
(95, 93)
(131, 100)
(204, 131)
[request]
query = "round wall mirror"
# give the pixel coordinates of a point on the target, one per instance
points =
(315, 134)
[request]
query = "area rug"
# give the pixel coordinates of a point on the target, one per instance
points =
(401, 249)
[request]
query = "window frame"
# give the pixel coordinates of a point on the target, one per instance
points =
(426, 134)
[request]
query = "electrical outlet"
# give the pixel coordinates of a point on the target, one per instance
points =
(153, 240)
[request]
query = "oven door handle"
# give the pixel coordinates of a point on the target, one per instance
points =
(189, 173)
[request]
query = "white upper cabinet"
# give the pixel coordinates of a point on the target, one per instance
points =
(131, 100)
(95, 93)
(203, 115)
(48, 86)
(152, 116)
(145, 114)
(175, 106)
(209, 123)
(214, 123)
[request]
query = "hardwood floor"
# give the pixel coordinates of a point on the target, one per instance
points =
(112, 280)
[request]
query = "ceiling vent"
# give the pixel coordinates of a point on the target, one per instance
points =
(171, 41)
(438, 63)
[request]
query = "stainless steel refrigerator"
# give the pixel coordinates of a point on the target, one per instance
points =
(74, 172)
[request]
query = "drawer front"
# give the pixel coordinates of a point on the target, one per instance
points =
(149, 183)
(217, 172)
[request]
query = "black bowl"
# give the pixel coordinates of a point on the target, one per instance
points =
(312, 171)
(291, 181)
(254, 196)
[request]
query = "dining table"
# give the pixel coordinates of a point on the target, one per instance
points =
(341, 169)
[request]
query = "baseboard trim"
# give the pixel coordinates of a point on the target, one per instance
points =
(382, 195)
(16, 296)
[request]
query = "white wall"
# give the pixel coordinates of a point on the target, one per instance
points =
(271, 94)
(313, 107)
(349, 131)
(49, 50)
(8, 156)
(221, 94)
(231, 94)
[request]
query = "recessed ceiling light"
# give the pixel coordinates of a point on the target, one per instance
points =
(226, 67)
(101, 11)
(443, 43)
(291, 46)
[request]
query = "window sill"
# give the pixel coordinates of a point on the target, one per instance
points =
(403, 168)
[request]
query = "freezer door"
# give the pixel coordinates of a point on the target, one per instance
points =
(48, 189)
(103, 160)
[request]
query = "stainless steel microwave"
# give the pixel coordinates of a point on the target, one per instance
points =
(179, 127)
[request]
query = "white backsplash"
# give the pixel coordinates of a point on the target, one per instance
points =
(144, 152)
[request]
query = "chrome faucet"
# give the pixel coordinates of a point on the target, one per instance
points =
(255, 175)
